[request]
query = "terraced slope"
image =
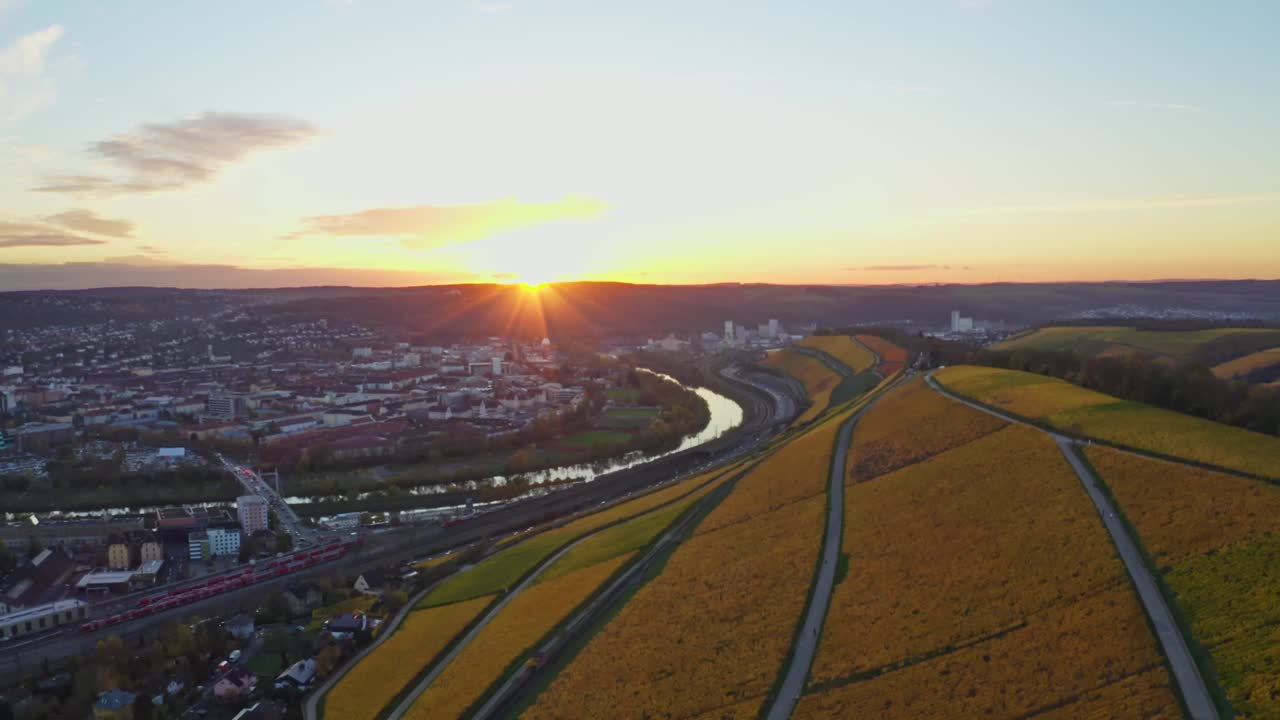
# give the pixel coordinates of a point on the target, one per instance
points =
(1072, 409)
(819, 380)
(980, 582)
(892, 357)
(1261, 361)
(1176, 345)
(707, 636)
(843, 349)
(1215, 539)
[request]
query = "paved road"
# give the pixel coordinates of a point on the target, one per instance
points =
(833, 364)
(806, 644)
(1185, 671)
(254, 485)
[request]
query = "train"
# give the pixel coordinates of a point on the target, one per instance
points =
(273, 568)
(39, 618)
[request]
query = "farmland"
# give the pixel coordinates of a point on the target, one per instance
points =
(1178, 345)
(911, 424)
(1216, 540)
(843, 349)
(1073, 409)
(503, 569)
(818, 379)
(708, 635)
(892, 357)
(378, 678)
(998, 568)
(1261, 361)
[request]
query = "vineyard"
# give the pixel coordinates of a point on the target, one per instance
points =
(377, 679)
(1092, 340)
(708, 635)
(1254, 362)
(843, 349)
(892, 357)
(911, 424)
(1076, 410)
(819, 380)
(1216, 539)
(998, 567)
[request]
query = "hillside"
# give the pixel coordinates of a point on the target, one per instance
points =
(1210, 346)
(911, 552)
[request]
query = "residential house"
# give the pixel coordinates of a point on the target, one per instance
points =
(347, 623)
(40, 580)
(299, 674)
(239, 627)
(237, 683)
(370, 582)
(114, 704)
(303, 597)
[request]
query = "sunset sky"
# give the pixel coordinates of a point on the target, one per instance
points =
(372, 142)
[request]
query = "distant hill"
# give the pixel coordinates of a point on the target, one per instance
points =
(604, 309)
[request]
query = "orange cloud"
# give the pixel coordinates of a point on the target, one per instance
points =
(424, 226)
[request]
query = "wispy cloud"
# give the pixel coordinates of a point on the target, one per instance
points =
(24, 82)
(172, 156)
(905, 268)
(90, 222)
(1175, 107)
(424, 226)
(13, 241)
(132, 271)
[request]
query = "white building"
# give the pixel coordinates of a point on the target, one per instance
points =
(251, 511)
(728, 332)
(773, 327)
(960, 324)
(213, 542)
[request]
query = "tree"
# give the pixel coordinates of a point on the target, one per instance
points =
(284, 542)
(143, 708)
(248, 549)
(6, 711)
(8, 561)
(394, 600)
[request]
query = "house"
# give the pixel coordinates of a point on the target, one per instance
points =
(239, 627)
(299, 674)
(36, 581)
(237, 683)
(303, 597)
(114, 704)
(370, 582)
(347, 623)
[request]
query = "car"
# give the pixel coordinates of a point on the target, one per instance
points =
(235, 656)
(222, 666)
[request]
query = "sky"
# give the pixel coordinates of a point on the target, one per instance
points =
(378, 142)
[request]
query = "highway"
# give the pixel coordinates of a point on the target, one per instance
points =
(1186, 673)
(761, 419)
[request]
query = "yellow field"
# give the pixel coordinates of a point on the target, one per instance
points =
(1216, 538)
(706, 638)
(376, 680)
(1181, 511)
(1088, 340)
(1084, 412)
(986, 561)
(842, 348)
(1248, 363)
(504, 568)
(528, 617)
(818, 379)
(910, 424)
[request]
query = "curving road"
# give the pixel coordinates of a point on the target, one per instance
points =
(1185, 671)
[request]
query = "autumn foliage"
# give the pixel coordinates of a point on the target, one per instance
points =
(910, 424)
(892, 357)
(1216, 539)
(981, 583)
(843, 349)
(819, 380)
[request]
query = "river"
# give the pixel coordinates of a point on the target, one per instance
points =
(725, 415)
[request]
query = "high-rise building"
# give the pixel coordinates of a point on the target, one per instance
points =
(773, 327)
(226, 407)
(251, 511)
(497, 366)
(728, 331)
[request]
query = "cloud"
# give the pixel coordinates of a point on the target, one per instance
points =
(157, 157)
(149, 273)
(88, 221)
(24, 85)
(424, 226)
(12, 241)
(1176, 107)
(906, 268)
